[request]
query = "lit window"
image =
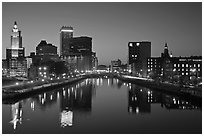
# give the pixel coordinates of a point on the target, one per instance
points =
(194, 65)
(174, 65)
(198, 69)
(182, 65)
(44, 72)
(178, 65)
(130, 44)
(40, 68)
(186, 73)
(132, 55)
(182, 73)
(198, 65)
(138, 44)
(135, 55)
(45, 68)
(186, 65)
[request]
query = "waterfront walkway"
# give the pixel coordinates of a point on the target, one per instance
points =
(26, 87)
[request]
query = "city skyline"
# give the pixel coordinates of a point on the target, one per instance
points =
(178, 24)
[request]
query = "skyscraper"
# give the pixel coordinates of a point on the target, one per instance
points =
(76, 52)
(66, 33)
(15, 55)
(138, 54)
(16, 49)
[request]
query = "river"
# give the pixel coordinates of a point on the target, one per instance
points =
(102, 106)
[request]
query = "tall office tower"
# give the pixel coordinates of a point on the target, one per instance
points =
(138, 54)
(16, 49)
(15, 55)
(66, 33)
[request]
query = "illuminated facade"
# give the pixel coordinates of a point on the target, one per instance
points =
(138, 53)
(167, 66)
(15, 55)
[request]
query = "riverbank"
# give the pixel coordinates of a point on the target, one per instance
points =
(161, 86)
(31, 88)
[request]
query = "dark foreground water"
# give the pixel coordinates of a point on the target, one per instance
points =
(102, 106)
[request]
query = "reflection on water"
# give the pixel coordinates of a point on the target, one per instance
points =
(75, 98)
(140, 100)
(76, 101)
(16, 112)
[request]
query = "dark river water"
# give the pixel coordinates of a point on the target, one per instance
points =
(102, 106)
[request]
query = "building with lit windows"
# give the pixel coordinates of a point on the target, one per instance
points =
(46, 55)
(169, 67)
(76, 52)
(43, 72)
(15, 55)
(66, 33)
(137, 60)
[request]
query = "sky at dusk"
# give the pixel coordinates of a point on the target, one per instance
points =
(111, 26)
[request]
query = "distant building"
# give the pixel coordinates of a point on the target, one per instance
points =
(115, 65)
(66, 33)
(169, 67)
(76, 52)
(138, 53)
(46, 55)
(81, 44)
(15, 55)
(4, 67)
(81, 48)
(45, 52)
(45, 48)
(94, 61)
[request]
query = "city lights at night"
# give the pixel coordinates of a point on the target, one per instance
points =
(102, 68)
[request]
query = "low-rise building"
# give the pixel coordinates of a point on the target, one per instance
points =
(168, 67)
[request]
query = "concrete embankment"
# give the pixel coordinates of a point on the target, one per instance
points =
(9, 94)
(163, 87)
